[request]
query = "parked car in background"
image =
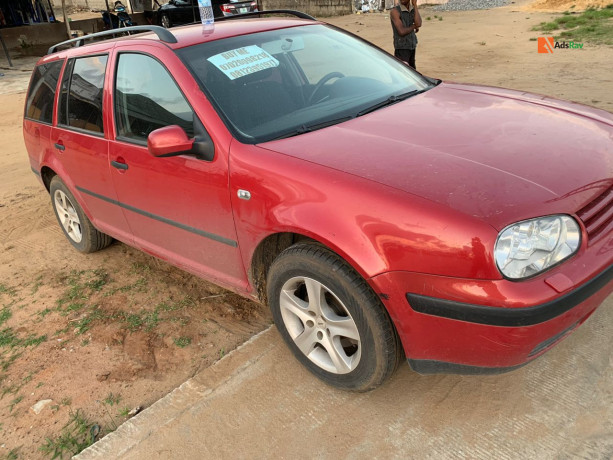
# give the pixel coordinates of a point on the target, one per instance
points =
(381, 214)
(177, 12)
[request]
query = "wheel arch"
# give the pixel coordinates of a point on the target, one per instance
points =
(47, 174)
(274, 244)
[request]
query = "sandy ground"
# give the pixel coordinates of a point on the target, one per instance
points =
(77, 363)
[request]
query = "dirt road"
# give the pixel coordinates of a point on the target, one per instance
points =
(118, 329)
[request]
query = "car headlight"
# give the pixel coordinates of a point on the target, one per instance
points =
(532, 246)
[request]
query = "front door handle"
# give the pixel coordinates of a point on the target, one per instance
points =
(60, 146)
(118, 165)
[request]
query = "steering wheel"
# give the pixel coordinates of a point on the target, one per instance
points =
(323, 80)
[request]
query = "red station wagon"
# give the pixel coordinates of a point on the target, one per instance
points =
(380, 213)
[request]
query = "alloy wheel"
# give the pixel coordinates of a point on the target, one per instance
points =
(320, 325)
(68, 216)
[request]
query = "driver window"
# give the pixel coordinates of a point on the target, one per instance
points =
(147, 98)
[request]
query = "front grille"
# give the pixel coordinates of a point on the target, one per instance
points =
(597, 216)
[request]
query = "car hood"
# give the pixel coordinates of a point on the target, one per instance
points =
(495, 154)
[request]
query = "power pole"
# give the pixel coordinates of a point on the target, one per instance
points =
(6, 51)
(66, 19)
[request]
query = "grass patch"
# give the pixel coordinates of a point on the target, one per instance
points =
(44, 312)
(5, 315)
(112, 399)
(593, 25)
(182, 342)
(9, 341)
(4, 289)
(14, 402)
(83, 325)
(37, 284)
(149, 320)
(81, 285)
(143, 320)
(78, 434)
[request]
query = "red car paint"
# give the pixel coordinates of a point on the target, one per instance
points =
(413, 196)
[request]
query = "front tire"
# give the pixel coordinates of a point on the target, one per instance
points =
(330, 318)
(73, 221)
(165, 21)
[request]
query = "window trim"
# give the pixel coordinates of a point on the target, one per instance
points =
(59, 85)
(128, 140)
(57, 109)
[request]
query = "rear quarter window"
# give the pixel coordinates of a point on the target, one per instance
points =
(41, 94)
(80, 104)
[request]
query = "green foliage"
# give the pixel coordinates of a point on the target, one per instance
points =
(112, 399)
(5, 315)
(4, 289)
(78, 434)
(182, 342)
(593, 25)
(14, 402)
(81, 285)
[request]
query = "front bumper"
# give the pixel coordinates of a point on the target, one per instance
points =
(484, 326)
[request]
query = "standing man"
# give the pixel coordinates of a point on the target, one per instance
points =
(405, 22)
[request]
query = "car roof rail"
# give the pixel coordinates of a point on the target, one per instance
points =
(163, 34)
(298, 14)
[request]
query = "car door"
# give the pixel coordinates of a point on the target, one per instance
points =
(80, 143)
(178, 207)
(186, 11)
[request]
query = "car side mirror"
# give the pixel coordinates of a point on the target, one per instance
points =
(172, 141)
(169, 141)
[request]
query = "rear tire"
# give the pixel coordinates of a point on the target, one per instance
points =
(330, 318)
(73, 221)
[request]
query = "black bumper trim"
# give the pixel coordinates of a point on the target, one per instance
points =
(35, 171)
(427, 366)
(509, 317)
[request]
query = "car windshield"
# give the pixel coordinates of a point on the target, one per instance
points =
(283, 83)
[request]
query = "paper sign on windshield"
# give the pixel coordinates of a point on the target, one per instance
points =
(243, 61)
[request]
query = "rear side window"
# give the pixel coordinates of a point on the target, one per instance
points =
(147, 98)
(39, 105)
(81, 98)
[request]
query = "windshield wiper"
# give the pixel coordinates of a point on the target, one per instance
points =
(390, 101)
(314, 127)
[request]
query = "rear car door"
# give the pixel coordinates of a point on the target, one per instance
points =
(80, 143)
(177, 207)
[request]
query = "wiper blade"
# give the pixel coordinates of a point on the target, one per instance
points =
(390, 101)
(314, 127)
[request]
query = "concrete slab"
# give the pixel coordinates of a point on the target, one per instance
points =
(258, 402)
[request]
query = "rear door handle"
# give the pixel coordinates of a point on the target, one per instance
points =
(60, 146)
(118, 165)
